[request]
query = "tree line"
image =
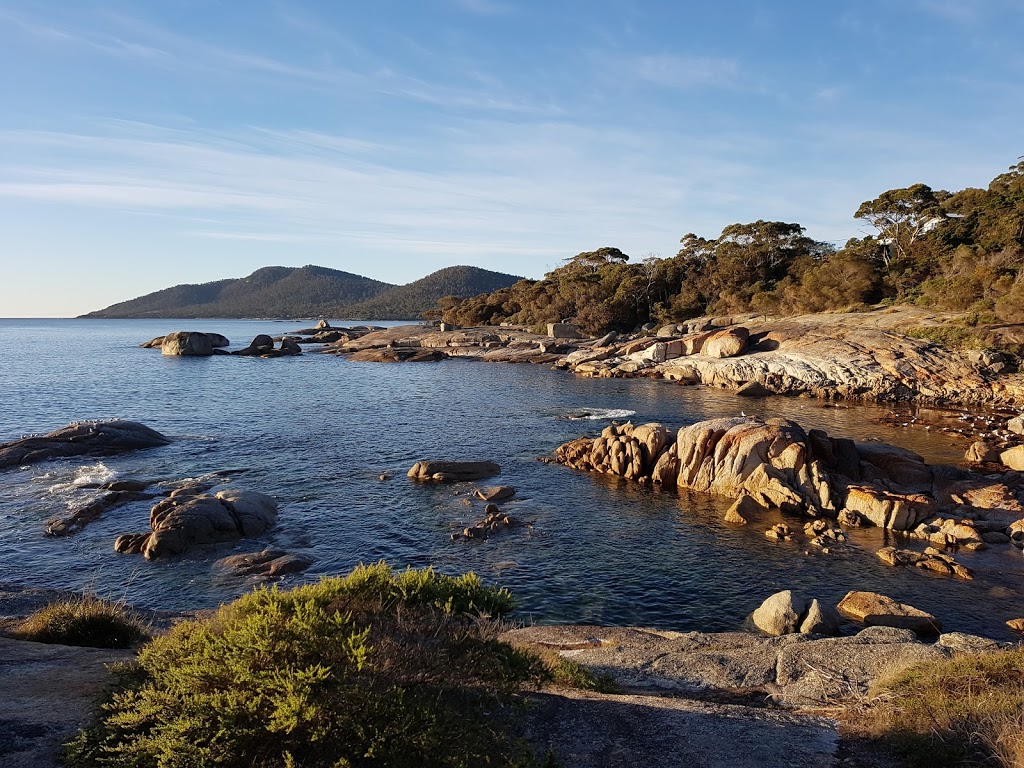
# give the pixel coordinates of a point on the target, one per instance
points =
(949, 251)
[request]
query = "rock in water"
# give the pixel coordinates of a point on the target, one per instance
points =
(190, 518)
(85, 438)
(495, 493)
(186, 343)
(742, 510)
(453, 471)
(874, 609)
(820, 620)
(780, 614)
(268, 564)
(980, 451)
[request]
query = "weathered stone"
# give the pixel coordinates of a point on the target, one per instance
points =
(1017, 625)
(453, 471)
(495, 493)
(820, 619)
(1016, 425)
(885, 509)
(186, 343)
(1013, 458)
(84, 438)
(780, 614)
(753, 389)
(188, 518)
(727, 343)
(874, 609)
(743, 510)
(563, 331)
(267, 564)
(980, 451)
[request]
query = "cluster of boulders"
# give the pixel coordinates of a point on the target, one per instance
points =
(83, 438)
(788, 612)
(775, 463)
(191, 517)
(495, 521)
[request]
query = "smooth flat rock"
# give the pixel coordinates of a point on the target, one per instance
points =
(591, 730)
(48, 694)
(83, 438)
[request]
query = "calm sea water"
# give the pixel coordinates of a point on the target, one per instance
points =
(317, 431)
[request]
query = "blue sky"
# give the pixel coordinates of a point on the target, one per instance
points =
(144, 145)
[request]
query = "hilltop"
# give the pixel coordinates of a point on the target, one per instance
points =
(308, 291)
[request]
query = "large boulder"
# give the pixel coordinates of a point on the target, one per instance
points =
(1013, 458)
(780, 614)
(453, 471)
(768, 460)
(189, 518)
(187, 344)
(874, 609)
(84, 438)
(727, 343)
(886, 509)
(267, 564)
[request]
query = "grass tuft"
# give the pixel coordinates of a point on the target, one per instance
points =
(85, 620)
(964, 711)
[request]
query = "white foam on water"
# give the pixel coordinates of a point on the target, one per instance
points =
(599, 414)
(93, 474)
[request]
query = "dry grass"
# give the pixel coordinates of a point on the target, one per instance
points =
(964, 711)
(85, 620)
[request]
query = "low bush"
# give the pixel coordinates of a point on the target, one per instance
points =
(964, 711)
(85, 620)
(376, 668)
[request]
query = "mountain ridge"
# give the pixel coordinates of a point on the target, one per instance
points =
(309, 291)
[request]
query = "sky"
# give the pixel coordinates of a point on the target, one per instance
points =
(144, 145)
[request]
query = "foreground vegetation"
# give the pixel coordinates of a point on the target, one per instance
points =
(964, 711)
(960, 251)
(85, 620)
(376, 668)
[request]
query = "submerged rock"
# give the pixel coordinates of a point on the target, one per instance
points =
(453, 471)
(84, 438)
(267, 564)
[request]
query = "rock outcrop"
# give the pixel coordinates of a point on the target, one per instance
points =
(773, 462)
(186, 344)
(84, 438)
(187, 518)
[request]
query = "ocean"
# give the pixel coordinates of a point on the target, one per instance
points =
(318, 431)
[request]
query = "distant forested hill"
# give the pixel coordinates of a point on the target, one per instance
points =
(411, 301)
(309, 291)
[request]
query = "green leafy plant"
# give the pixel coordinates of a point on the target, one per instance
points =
(376, 668)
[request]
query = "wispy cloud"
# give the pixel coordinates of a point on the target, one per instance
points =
(484, 7)
(674, 71)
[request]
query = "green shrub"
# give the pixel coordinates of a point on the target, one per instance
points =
(85, 620)
(963, 711)
(376, 668)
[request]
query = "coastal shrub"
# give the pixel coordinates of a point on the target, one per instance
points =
(376, 668)
(950, 335)
(966, 710)
(85, 620)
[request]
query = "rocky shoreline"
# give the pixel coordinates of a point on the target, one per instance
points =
(876, 356)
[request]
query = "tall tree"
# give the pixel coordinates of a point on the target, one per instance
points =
(901, 216)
